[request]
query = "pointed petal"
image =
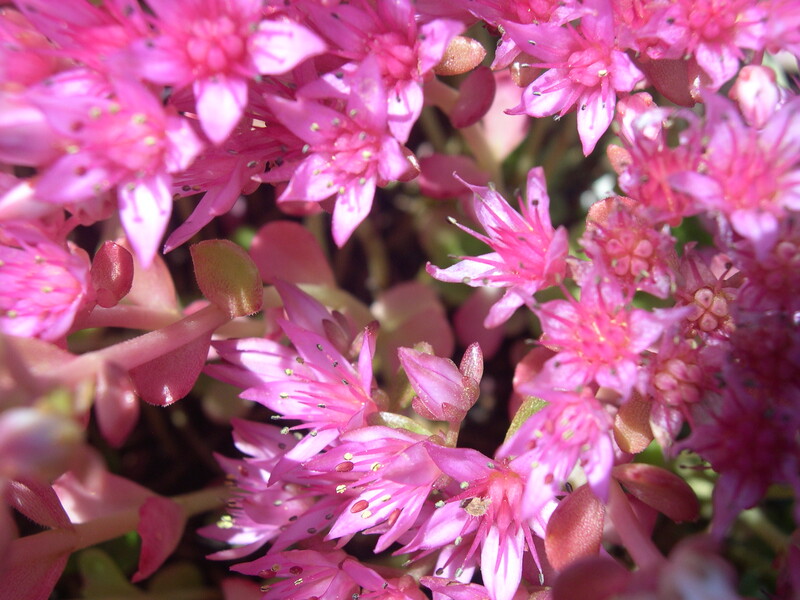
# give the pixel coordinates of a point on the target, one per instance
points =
(279, 46)
(144, 208)
(220, 103)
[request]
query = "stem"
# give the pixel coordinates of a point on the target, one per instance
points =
(377, 257)
(129, 317)
(638, 544)
(144, 348)
(33, 548)
(442, 95)
(758, 522)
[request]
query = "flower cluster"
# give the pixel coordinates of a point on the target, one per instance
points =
(610, 334)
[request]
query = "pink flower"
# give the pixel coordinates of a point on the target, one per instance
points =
(629, 247)
(44, 285)
(770, 455)
(771, 281)
(405, 51)
(216, 46)
(486, 515)
(528, 253)
(654, 149)
(444, 392)
(586, 70)
(599, 338)
(258, 512)
(115, 134)
(349, 150)
(93, 35)
(708, 289)
(751, 177)
(304, 574)
(714, 33)
(572, 429)
(311, 382)
(384, 476)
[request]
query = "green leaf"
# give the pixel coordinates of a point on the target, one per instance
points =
(228, 277)
(102, 577)
(530, 407)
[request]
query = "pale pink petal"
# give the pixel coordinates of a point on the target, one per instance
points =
(220, 103)
(595, 113)
(144, 207)
(72, 178)
(351, 208)
(279, 46)
(501, 562)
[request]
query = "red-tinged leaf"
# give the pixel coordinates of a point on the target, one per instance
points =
(8, 532)
(410, 313)
(436, 175)
(161, 523)
(285, 250)
(38, 502)
(594, 578)
(657, 487)
(470, 316)
(228, 277)
(462, 54)
(670, 77)
(475, 96)
(112, 274)
(237, 588)
(116, 405)
(31, 579)
(632, 425)
(170, 377)
(575, 529)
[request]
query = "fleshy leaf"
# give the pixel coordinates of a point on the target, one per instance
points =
(575, 528)
(161, 523)
(102, 577)
(632, 425)
(657, 487)
(288, 251)
(170, 377)
(112, 273)
(228, 277)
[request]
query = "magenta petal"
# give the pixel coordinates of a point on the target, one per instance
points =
(310, 181)
(279, 46)
(217, 200)
(548, 95)
(160, 62)
(161, 523)
(220, 104)
(368, 95)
